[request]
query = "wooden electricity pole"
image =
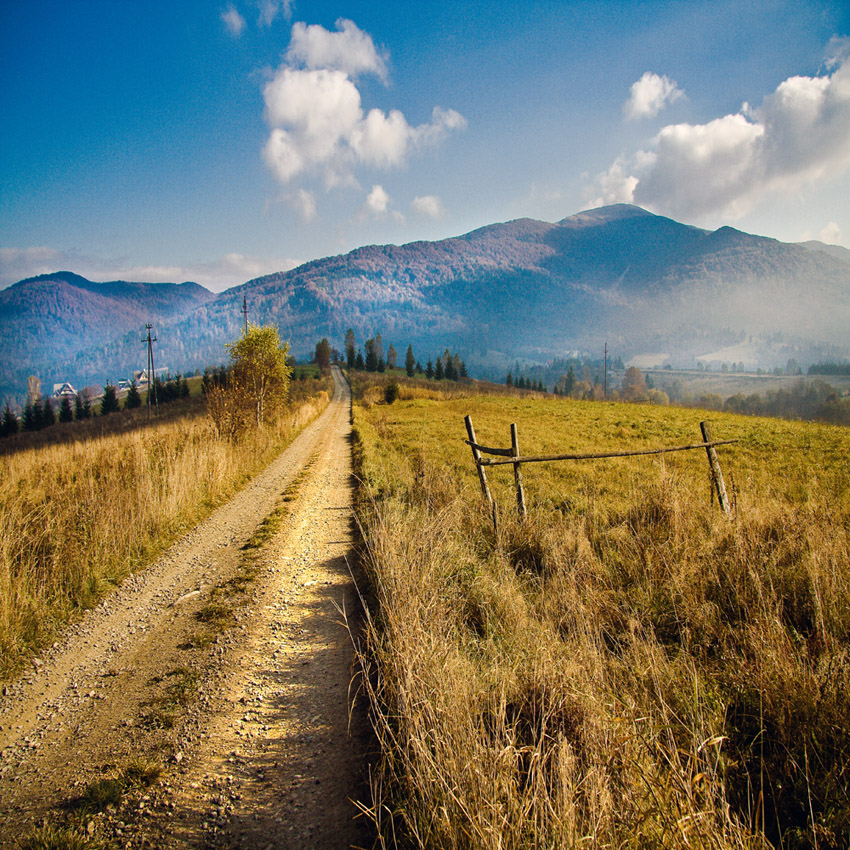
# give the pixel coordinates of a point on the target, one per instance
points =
(151, 372)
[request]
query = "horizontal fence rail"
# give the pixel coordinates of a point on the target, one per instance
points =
(595, 456)
(512, 456)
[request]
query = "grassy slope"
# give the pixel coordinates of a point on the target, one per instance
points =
(88, 503)
(627, 668)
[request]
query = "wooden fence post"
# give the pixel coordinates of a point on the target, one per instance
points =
(520, 493)
(482, 476)
(716, 474)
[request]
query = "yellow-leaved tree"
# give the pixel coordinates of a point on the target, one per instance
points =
(258, 366)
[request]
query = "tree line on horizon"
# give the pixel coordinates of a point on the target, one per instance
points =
(40, 413)
(445, 366)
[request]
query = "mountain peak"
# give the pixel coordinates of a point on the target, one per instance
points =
(602, 215)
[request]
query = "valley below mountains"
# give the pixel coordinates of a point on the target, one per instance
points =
(525, 290)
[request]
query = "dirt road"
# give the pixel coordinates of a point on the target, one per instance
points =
(206, 702)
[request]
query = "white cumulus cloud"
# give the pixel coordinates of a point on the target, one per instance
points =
(650, 94)
(349, 49)
(800, 134)
(377, 201)
(427, 206)
(317, 124)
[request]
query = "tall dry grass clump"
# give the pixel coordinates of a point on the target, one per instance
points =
(625, 668)
(79, 517)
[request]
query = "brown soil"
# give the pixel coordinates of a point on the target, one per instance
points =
(239, 692)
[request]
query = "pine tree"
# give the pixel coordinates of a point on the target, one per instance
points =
(66, 412)
(109, 402)
(429, 370)
(48, 415)
(29, 418)
(79, 411)
(358, 361)
(509, 381)
(133, 398)
(10, 424)
(350, 348)
(410, 362)
(449, 369)
(439, 371)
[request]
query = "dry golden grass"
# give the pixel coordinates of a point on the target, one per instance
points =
(78, 517)
(625, 668)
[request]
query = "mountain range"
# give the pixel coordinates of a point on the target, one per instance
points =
(523, 290)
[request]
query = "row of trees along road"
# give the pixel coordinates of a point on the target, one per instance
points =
(445, 366)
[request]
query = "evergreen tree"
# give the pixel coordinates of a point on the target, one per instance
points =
(48, 415)
(410, 362)
(323, 354)
(79, 412)
(184, 388)
(381, 365)
(37, 414)
(29, 418)
(10, 424)
(449, 369)
(109, 402)
(429, 370)
(392, 357)
(461, 371)
(134, 398)
(419, 369)
(439, 371)
(371, 346)
(509, 381)
(358, 362)
(66, 412)
(350, 348)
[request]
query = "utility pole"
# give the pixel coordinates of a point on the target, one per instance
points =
(244, 315)
(605, 373)
(151, 372)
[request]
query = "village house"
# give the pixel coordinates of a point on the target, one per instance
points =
(64, 390)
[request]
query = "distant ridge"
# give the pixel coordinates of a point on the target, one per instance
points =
(522, 290)
(48, 320)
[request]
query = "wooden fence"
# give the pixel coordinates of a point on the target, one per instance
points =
(511, 455)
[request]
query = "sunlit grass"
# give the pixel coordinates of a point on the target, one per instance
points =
(627, 667)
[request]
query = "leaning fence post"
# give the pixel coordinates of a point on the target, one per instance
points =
(716, 474)
(520, 493)
(482, 476)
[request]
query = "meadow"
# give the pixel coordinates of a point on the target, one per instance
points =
(626, 667)
(85, 504)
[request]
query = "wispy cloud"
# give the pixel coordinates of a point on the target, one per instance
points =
(650, 94)
(427, 206)
(230, 270)
(234, 22)
(270, 10)
(318, 127)
(799, 135)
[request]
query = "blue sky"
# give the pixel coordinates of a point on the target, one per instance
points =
(217, 141)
